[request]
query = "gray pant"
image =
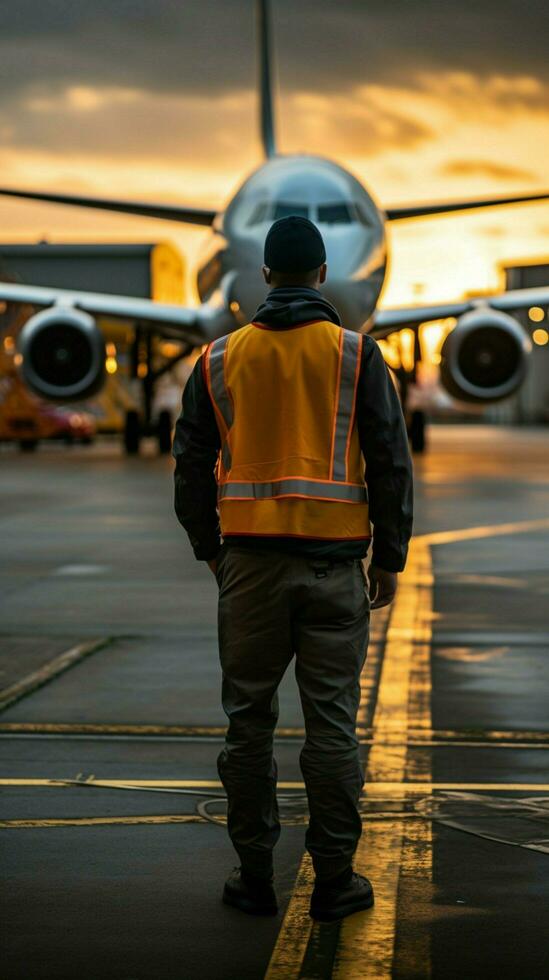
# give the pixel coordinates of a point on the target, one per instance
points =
(272, 606)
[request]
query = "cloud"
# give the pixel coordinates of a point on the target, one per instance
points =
(178, 80)
(126, 124)
(208, 47)
(132, 124)
(487, 96)
(359, 124)
(486, 168)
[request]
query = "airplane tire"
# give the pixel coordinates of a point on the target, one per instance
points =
(28, 445)
(164, 432)
(132, 433)
(417, 432)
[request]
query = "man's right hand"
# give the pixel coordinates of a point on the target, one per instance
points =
(383, 586)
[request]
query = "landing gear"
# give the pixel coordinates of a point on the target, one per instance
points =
(144, 369)
(164, 432)
(28, 445)
(134, 429)
(417, 431)
(132, 433)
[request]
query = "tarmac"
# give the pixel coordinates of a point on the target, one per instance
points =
(114, 848)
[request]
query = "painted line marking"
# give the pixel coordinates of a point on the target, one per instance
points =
(366, 734)
(371, 791)
(80, 570)
(50, 671)
(367, 940)
(485, 531)
(100, 821)
(417, 743)
(24, 823)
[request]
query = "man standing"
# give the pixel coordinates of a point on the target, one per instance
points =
(290, 440)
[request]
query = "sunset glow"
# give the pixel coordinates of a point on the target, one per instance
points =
(437, 135)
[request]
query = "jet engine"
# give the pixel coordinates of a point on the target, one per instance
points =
(484, 358)
(63, 354)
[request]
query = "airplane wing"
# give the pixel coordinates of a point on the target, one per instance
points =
(197, 326)
(206, 216)
(401, 213)
(193, 216)
(387, 321)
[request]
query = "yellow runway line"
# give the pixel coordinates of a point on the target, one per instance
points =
(133, 783)
(367, 939)
(372, 791)
(100, 821)
(296, 928)
(49, 671)
(487, 531)
(174, 731)
(415, 737)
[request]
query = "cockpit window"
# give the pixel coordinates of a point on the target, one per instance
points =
(267, 211)
(283, 209)
(362, 216)
(334, 214)
(259, 213)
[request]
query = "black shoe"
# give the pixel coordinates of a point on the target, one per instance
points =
(331, 903)
(255, 896)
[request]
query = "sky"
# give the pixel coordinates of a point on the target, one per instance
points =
(157, 100)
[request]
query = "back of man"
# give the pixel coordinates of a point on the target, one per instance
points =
(284, 400)
(302, 424)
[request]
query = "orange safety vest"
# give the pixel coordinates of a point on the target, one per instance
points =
(290, 462)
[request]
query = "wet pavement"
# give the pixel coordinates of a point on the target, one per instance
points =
(113, 842)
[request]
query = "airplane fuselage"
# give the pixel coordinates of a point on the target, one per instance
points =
(351, 224)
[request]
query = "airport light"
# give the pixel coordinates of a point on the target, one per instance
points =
(431, 338)
(9, 344)
(536, 314)
(391, 353)
(407, 345)
(540, 337)
(110, 365)
(142, 370)
(169, 348)
(18, 360)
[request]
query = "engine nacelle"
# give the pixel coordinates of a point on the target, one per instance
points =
(63, 354)
(484, 358)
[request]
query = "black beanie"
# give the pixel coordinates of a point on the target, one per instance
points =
(294, 244)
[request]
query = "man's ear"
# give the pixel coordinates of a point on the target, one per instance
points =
(266, 274)
(322, 272)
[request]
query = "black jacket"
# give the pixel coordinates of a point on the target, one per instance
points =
(383, 441)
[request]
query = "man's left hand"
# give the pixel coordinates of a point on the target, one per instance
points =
(383, 586)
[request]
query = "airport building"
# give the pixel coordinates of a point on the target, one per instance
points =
(145, 270)
(150, 271)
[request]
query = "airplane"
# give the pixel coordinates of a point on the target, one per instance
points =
(483, 358)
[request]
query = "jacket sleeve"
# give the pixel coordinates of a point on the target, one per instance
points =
(384, 445)
(195, 449)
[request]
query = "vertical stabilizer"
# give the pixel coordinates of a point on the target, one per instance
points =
(265, 79)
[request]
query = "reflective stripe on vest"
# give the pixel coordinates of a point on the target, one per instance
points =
(216, 359)
(349, 363)
(294, 487)
(336, 487)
